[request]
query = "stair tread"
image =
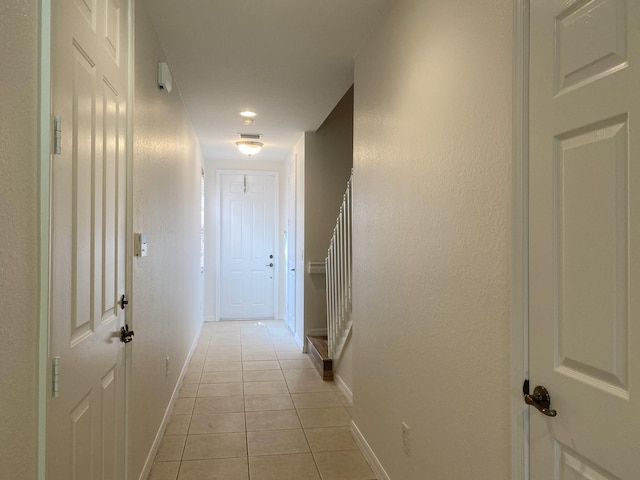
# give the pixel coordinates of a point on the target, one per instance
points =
(321, 344)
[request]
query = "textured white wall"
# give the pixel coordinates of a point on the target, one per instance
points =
(166, 297)
(432, 143)
(211, 211)
(18, 238)
(327, 167)
(343, 368)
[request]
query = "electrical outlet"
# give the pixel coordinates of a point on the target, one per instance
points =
(166, 367)
(406, 439)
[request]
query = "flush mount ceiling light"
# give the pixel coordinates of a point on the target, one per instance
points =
(248, 147)
(249, 144)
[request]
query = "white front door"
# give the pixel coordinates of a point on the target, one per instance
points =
(584, 253)
(86, 409)
(247, 248)
(290, 252)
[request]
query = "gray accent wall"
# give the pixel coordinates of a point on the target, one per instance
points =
(328, 159)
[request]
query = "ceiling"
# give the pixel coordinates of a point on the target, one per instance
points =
(290, 61)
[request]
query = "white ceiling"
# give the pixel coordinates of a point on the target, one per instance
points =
(288, 60)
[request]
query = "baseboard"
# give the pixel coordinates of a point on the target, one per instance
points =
(346, 391)
(366, 450)
(167, 414)
(301, 343)
(209, 319)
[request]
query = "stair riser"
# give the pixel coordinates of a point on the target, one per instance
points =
(323, 365)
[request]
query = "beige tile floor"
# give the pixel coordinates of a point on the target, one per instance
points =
(252, 407)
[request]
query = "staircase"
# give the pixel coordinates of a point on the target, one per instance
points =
(338, 278)
(325, 351)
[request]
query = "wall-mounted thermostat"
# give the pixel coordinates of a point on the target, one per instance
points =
(140, 244)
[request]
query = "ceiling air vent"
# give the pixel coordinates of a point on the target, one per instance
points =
(250, 136)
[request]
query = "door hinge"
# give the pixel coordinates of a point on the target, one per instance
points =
(57, 135)
(525, 387)
(55, 377)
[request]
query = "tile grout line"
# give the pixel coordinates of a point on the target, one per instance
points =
(244, 407)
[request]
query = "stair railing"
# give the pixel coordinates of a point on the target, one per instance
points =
(338, 277)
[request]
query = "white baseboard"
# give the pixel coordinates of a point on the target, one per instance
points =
(366, 450)
(167, 414)
(346, 391)
(209, 319)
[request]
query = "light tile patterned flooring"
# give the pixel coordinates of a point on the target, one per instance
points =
(252, 407)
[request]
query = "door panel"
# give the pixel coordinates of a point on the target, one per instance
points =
(591, 218)
(591, 42)
(86, 419)
(584, 277)
(247, 250)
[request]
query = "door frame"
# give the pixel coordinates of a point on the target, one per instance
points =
(519, 348)
(276, 238)
(291, 213)
(44, 222)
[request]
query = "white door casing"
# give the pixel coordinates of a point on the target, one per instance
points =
(290, 260)
(248, 256)
(86, 419)
(584, 233)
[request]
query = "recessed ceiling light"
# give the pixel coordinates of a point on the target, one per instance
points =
(248, 114)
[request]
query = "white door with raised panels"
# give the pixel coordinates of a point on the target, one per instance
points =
(584, 190)
(86, 404)
(248, 261)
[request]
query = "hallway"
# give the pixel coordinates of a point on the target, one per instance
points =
(252, 407)
(440, 258)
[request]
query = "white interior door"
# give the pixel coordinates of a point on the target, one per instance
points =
(86, 418)
(290, 252)
(584, 238)
(247, 249)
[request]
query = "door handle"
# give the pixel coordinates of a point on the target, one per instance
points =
(541, 400)
(126, 335)
(269, 265)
